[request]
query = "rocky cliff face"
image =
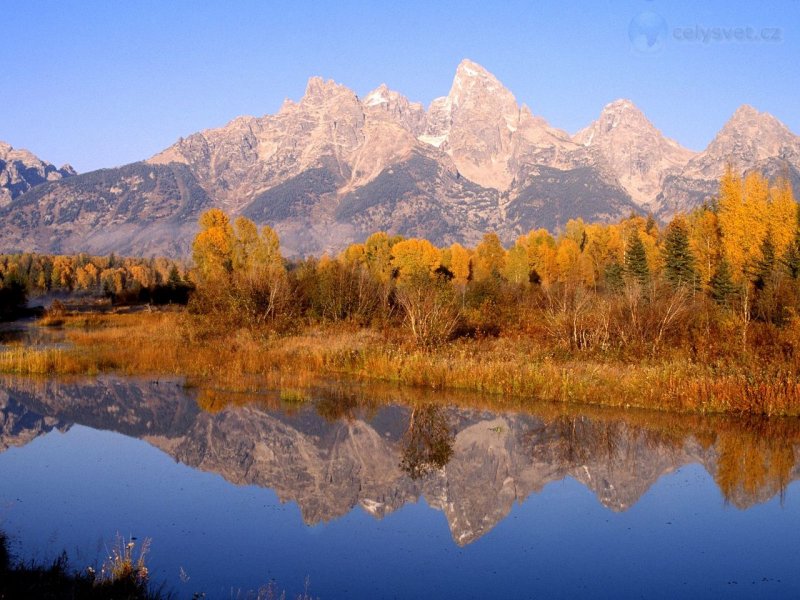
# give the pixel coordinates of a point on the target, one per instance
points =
(20, 170)
(750, 140)
(330, 468)
(332, 168)
(639, 156)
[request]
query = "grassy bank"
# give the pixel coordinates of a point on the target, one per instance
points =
(515, 368)
(123, 577)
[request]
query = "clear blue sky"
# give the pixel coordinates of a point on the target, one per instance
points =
(103, 83)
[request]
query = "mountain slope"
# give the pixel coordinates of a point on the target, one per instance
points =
(136, 209)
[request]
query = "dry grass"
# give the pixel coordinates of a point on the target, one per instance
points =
(515, 370)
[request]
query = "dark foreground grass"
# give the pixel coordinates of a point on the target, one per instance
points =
(59, 580)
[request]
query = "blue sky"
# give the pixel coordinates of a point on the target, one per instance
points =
(99, 84)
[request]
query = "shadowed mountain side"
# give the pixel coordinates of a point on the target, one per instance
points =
(328, 466)
(135, 209)
(550, 197)
(423, 197)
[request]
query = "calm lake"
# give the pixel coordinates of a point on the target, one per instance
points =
(392, 494)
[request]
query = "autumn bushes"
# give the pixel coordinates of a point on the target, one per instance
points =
(624, 289)
(637, 320)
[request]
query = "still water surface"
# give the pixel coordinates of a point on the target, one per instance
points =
(369, 499)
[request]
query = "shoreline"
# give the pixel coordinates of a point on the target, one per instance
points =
(513, 369)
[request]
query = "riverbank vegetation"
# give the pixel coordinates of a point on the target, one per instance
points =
(119, 280)
(123, 576)
(700, 315)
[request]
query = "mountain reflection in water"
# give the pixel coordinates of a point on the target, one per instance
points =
(347, 448)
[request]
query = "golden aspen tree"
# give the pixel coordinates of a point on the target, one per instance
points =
(516, 269)
(414, 258)
(541, 249)
(741, 220)
(212, 249)
(245, 245)
(603, 247)
(460, 264)
(567, 261)
(704, 242)
(782, 216)
(489, 258)
(378, 254)
(575, 230)
(140, 275)
(354, 254)
(63, 274)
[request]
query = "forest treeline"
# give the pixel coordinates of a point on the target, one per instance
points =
(724, 277)
(123, 280)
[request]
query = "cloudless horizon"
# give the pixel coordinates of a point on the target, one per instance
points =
(99, 84)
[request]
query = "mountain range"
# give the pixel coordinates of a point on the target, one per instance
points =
(332, 168)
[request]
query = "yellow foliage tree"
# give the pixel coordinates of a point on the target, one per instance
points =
(749, 209)
(378, 254)
(460, 264)
(413, 258)
(541, 250)
(489, 259)
(704, 242)
(212, 249)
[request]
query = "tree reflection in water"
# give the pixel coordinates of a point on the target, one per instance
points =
(428, 442)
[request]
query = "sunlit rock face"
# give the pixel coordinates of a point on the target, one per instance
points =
(472, 465)
(750, 140)
(639, 156)
(331, 168)
(20, 170)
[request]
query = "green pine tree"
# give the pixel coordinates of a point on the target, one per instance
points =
(636, 260)
(721, 286)
(174, 277)
(764, 266)
(792, 257)
(614, 276)
(679, 262)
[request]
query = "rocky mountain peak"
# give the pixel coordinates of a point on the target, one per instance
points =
(623, 113)
(474, 124)
(472, 83)
(319, 90)
(747, 112)
(621, 117)
(20, 170)
(748, 121)
(385, 104)
(749, 137)
(380, 95)
(638, 154)
(470, 70)
(330, 168)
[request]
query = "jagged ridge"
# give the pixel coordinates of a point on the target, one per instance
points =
(332, 168)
